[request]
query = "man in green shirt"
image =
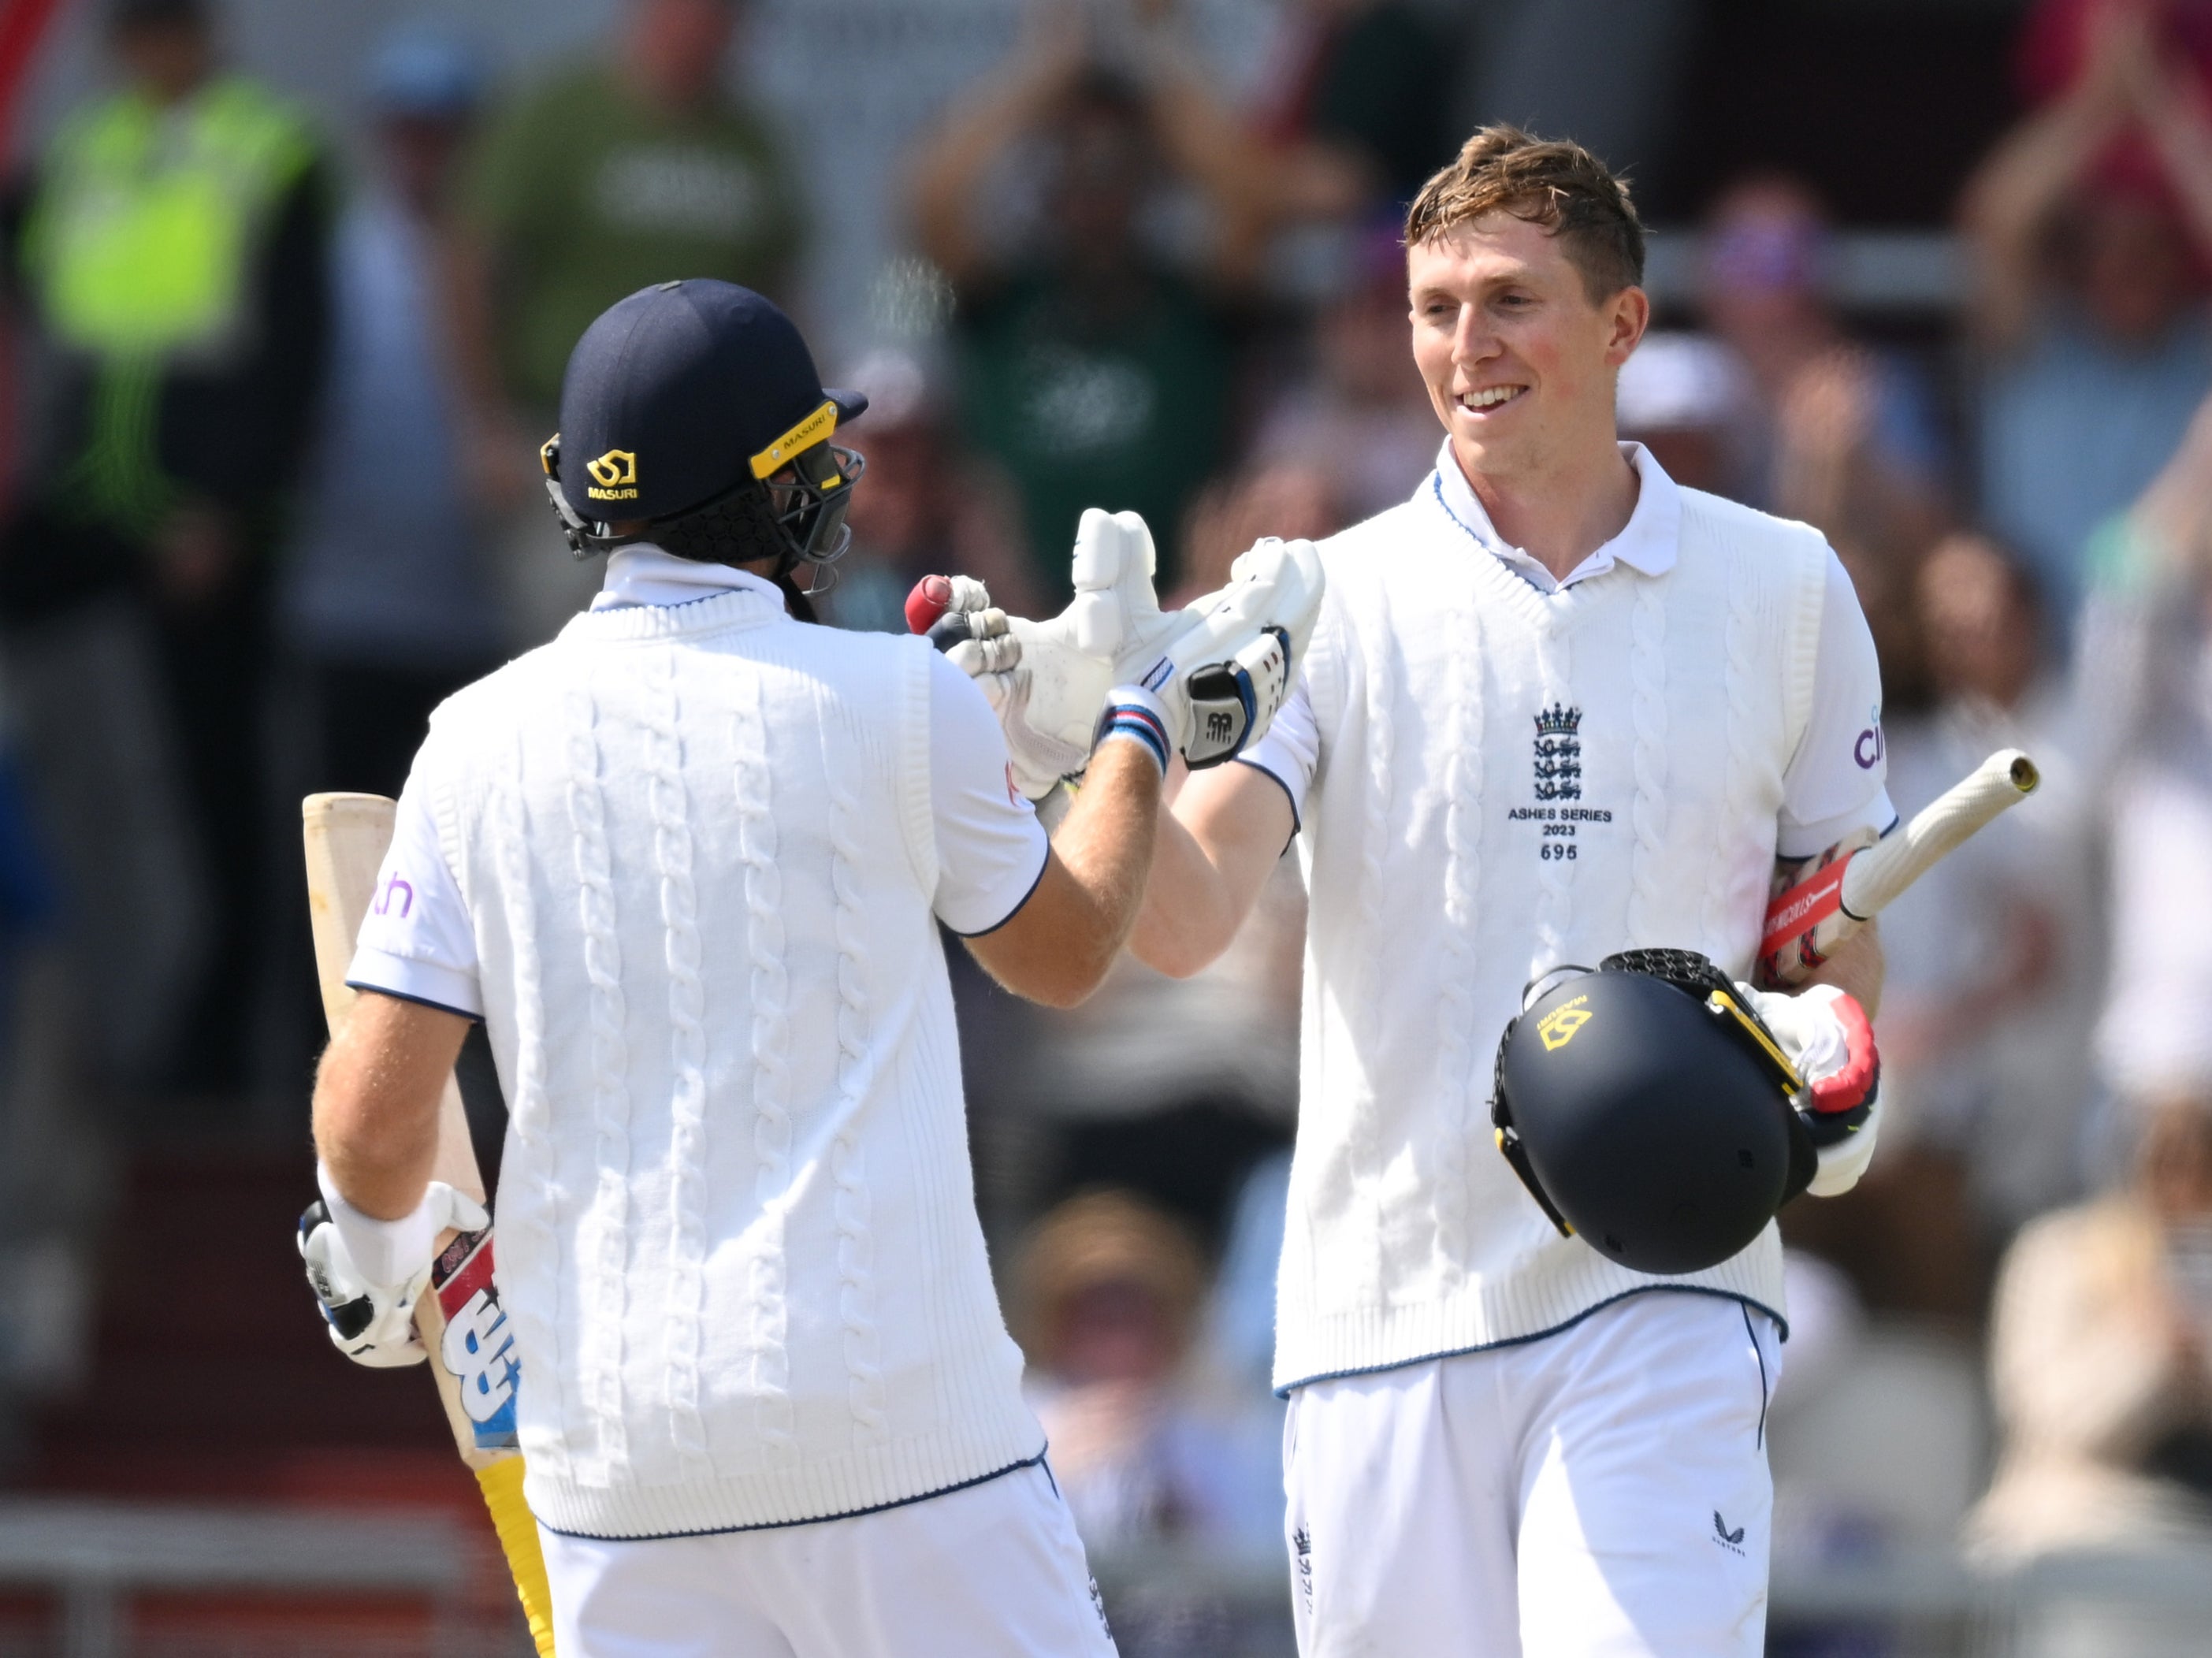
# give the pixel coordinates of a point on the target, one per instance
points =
(1092, 371)
(628, 167)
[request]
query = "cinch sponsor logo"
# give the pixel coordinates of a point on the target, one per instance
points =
(1872, 744)
(394, 887)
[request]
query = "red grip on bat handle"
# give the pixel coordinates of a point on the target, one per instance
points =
(1805, 906)
(931, 597)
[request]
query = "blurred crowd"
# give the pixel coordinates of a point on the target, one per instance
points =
(279, 393)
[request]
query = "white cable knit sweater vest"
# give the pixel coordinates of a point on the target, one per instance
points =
(1508, 781)
(738, 1229)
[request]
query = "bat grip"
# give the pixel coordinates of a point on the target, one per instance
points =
(1877, 876)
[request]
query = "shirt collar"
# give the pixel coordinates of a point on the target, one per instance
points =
(641, 573)
(1646, 543)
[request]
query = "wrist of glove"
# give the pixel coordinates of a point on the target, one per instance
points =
(1133, 714)
(1826, 1036)
(368, 1274)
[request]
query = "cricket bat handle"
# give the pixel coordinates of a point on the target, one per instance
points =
(1874, 879)
(1819, 913)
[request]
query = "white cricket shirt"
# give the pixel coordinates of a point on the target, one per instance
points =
(418, 942)
(688, 863)
(1496, 773)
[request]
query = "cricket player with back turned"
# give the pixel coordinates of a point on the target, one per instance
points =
(1557, 707)
(687, 863)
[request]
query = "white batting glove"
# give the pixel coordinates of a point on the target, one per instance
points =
(1040, 756)
(370, 1322)
(1047, 680)
(1220, 668)
(1826, 1036)
(1224, 675)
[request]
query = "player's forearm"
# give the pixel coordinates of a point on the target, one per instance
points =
(1855, 968)
(1060, 945)
(1106, 844)
(1188, 915)
(376, 1102)
(1216, 849)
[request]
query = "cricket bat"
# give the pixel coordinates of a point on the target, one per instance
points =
(1810, 919)
(460, 1322)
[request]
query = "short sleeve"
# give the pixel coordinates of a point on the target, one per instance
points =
(416, 942)
(991, 850)
(1837, 779)
(1291, 750)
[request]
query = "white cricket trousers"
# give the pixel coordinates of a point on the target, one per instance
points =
(994, 1570)
(1599, 1492)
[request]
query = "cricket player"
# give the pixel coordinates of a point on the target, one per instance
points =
(1556, 707)
(687, 863)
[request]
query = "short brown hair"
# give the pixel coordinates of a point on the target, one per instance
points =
(1555, 182)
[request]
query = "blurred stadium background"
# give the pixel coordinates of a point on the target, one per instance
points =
(1931, 273)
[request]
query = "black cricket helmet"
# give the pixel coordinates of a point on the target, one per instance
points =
(1649, 1112)
(694, 405)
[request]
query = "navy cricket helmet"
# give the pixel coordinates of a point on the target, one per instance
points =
(1649, 1112)
(694, 405)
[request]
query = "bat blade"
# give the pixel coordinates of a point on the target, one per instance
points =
(461, 1324)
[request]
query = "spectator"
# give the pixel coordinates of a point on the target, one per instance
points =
(385, 603)
(1684, 398)
(1368, 83)
(1353, 111)
(1995, 962)
(2147, 652)
(2089, 299)
(632, 165)
(926, 510)
(1831, 432)
(1110, 1295)
(1091, 370)
(1109, 1303)
(1285, 499)
(172, 250)
(2099, 1362)
(2059, 42)
(1361, 418)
